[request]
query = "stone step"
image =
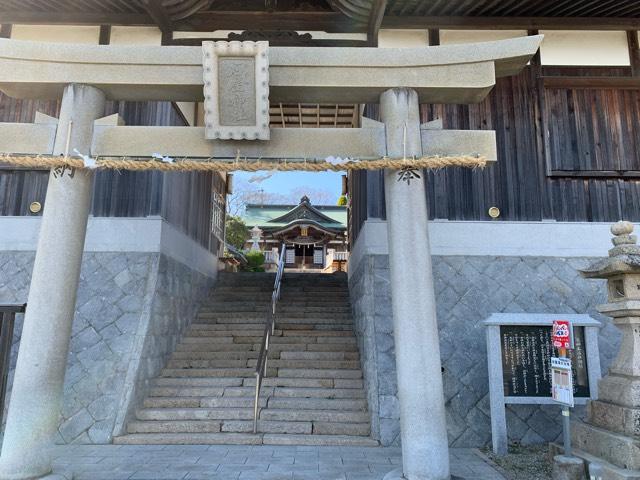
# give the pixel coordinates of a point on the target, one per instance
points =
(329, 347)
(209, 355)
(296, 392)
(332, 428)
(323, 364)
(292, 382)
(349, 340)
(273, 348)
(195, 414)
(184, 426)
(187, 391)
(319, 356)
(334, 416)
(302, 392)
(202, 402)
(341, 404)
(247, 316)
(215, 363)
(243, 439)
(315, 333)
(196, 330)
(252, 363)
(213, 372)
(264, 426)
(223, 319)
(189, 439)
(319, 440)
(318, 373)
(220, 347)
(212, 340)
(265, 392)
(315, 326)
(307, 382)
(197, 382)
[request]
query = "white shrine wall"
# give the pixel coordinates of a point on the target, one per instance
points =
(560, 47)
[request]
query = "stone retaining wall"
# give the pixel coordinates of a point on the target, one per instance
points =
(468, 290)
(130, 312)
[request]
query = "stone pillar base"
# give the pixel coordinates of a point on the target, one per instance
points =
(615, 418)
(568, 468)
(609, 471)
(613, 448)
(397, 475)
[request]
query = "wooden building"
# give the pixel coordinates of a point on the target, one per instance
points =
(314, 236)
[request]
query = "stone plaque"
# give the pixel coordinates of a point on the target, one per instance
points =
(236, 90)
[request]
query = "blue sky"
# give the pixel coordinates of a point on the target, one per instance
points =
(284, 183)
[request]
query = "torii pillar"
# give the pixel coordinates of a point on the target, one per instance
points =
(423, 430)
(36, 397)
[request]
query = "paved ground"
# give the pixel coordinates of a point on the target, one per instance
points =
(203, 462)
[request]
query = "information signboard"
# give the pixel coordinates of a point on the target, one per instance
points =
(526, 361)
(519, 352)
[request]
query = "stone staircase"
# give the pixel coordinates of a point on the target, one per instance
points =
(313, 394)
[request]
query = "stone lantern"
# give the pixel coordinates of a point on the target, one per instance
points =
(611, 431)
(256, 236)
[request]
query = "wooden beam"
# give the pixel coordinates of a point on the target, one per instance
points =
(619, 83)
(375, 20)
(434, 37)
(209, 21)
(511, 23)
(594, 174)
(324, 42)
(536, 58)
(105, 35)
(156, 11)
(634, 52)
(75, 18)
(5, 30)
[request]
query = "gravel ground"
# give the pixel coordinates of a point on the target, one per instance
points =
(524, 462)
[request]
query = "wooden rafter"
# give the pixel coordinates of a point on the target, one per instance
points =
(634, 52)
(511, 23)
(5, 30)
(303, 115)
(375, 20)
(159, 15)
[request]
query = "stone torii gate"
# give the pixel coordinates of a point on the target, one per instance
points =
(236, 127)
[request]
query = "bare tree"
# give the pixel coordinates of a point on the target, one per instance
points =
(245, 193)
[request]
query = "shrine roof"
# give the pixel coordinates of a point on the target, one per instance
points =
(283, 22)
(278, 216)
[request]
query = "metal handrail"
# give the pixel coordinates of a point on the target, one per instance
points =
(269, 327)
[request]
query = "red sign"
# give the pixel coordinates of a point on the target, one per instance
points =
(561, 336)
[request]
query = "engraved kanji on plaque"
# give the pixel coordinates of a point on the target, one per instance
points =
(236, 90)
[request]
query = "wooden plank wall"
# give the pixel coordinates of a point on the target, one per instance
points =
(587, 168)
(183, 199)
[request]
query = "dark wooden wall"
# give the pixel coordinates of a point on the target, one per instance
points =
(565, 154)
(183, 199)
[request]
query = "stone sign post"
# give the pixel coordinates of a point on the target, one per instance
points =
(612, 429)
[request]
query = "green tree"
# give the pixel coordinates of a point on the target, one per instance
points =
(342, 201)
(236, 231)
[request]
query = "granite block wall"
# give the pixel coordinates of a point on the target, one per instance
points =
(468, 290)
(130, 311)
